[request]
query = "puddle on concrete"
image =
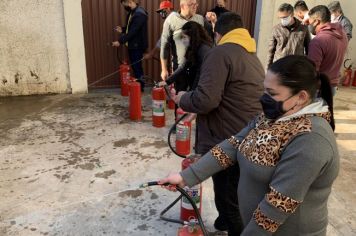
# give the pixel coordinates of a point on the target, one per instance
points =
(105, 174)
(157, 144)
(87, 166)
(34, 180)
(143, 227)
(124, 142)
(153, 212)
(154, 196)
(62, 177)
(144, 157)
(131, 193)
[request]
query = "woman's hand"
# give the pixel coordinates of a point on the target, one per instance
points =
(162, 83)
(173, 179)
(164, 74)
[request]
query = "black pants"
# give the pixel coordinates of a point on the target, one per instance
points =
(135, 56)
(226, 200)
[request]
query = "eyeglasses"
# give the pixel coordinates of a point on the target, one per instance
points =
(192, 4)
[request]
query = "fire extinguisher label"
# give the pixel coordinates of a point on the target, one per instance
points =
(194, 193)
(158, 107)
(182, 132)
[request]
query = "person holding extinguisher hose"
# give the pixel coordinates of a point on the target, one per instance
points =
(134, 35)
(288, 155)
(198, 44)
(225, 99)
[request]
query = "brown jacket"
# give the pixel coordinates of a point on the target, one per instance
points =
(227, 95)
(292, 40)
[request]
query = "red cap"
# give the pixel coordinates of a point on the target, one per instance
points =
(164, 5)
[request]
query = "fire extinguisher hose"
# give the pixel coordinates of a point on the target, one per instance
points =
(162, 217)
(185, 194)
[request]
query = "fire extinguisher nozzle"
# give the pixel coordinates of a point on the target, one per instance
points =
(153, 183)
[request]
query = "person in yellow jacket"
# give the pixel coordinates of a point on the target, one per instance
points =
(225, 99)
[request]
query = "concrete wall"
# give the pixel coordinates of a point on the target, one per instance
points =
(75, 44)
(269, 19)
(40, 51)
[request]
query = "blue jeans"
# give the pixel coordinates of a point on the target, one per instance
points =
(136, 55)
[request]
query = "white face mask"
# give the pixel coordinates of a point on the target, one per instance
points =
(286, 21)
(334, 19)
(186, 42)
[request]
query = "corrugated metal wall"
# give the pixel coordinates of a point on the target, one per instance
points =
(101, 16)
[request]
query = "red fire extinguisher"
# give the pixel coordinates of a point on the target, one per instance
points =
(183, 133)
(187, 212)
(158, 107)
(347, 74)
(171, 104)
(135, 101)
(124, 78)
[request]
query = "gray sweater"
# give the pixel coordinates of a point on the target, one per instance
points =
(286, 172)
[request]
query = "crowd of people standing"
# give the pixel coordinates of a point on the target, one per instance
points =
(265, 134)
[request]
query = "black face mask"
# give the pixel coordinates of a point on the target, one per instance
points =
(163, 14)
(127, 8)
(271, 108)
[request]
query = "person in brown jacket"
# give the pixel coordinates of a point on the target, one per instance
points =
(226, 97)
(290, 37)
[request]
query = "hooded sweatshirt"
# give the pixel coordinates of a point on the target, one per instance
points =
(328, 49)
(228, 91)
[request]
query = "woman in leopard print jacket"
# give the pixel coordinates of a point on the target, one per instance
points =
(288, 155)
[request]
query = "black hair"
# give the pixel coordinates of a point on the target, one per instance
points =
(285, 7)
(321, 12)
(198, 36)
(227, 22)
(299, 73)
(301, 5)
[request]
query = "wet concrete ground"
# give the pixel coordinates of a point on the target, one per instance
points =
(70, 165)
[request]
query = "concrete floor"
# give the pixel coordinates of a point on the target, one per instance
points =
(70, 165)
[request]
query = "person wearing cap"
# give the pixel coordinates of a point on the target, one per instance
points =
(165, 8)
(337, 16)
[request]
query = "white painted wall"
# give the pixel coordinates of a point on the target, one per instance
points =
(41, 52)
(269, 19)
(75, 45)
(32, 38)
